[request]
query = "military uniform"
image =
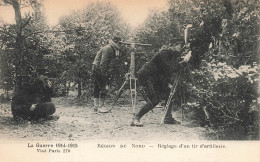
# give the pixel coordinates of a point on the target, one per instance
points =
(154, 78)
(100, 71)
(35, 92)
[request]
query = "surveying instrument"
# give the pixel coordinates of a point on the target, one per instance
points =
(130, 78)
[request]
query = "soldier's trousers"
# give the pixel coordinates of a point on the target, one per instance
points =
(23, 110)
(43, 110)
(99, 81)
(153, 95)
(148, 107)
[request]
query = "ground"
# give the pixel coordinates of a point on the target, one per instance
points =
(79, 122)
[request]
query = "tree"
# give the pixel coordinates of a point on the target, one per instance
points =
(224, 42)
(88, 30)
(21, 45)
(23, 52)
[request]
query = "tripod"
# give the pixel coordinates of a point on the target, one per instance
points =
(130, 78)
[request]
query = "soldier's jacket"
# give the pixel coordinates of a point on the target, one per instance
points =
(42, 90)
(35, 90)
(158, 73)
(103, 58)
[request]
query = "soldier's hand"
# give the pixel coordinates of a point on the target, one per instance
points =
(33, 107)
(187, 57)
(127, 75)
(170, 86)
(48, 83)
(187, 46)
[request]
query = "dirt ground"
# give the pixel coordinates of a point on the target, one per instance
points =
(79, 122)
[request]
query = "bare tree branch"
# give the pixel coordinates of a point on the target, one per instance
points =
(231, 116)
(26, 23)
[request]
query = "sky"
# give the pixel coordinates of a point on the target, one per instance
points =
(133, 11)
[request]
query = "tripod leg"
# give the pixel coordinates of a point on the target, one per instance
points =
(173, 89)
(120, 91)
(166, 109)
(133, 95)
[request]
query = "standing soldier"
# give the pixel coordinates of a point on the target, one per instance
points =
(100, 70)
(154, 79)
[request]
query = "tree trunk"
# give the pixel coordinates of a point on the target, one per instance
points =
(228, 5)
(222, 47)
(79, 88)
(65, 88)
(18, 47)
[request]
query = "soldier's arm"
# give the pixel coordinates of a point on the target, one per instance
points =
(105, 60)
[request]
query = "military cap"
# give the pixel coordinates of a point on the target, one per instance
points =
(116, 39)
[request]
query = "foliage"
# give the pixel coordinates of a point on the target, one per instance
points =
(6, 72)
(229, 86)
(221, 82)
(22, 51)
(85, 32)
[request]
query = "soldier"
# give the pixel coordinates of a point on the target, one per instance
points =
(32, 100)
(100, 70)
(154, 79)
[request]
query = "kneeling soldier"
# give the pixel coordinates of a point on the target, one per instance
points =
(32, 100)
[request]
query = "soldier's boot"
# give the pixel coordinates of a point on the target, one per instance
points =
(96, 104)
(146, 108)
(101, 102)
(102, 107)
(169, 119)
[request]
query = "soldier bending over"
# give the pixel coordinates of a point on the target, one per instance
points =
(154, 79)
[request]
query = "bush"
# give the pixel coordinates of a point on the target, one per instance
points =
(228, 97)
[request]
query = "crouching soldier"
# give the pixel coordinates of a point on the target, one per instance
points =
(154, 79)
(32, 100)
